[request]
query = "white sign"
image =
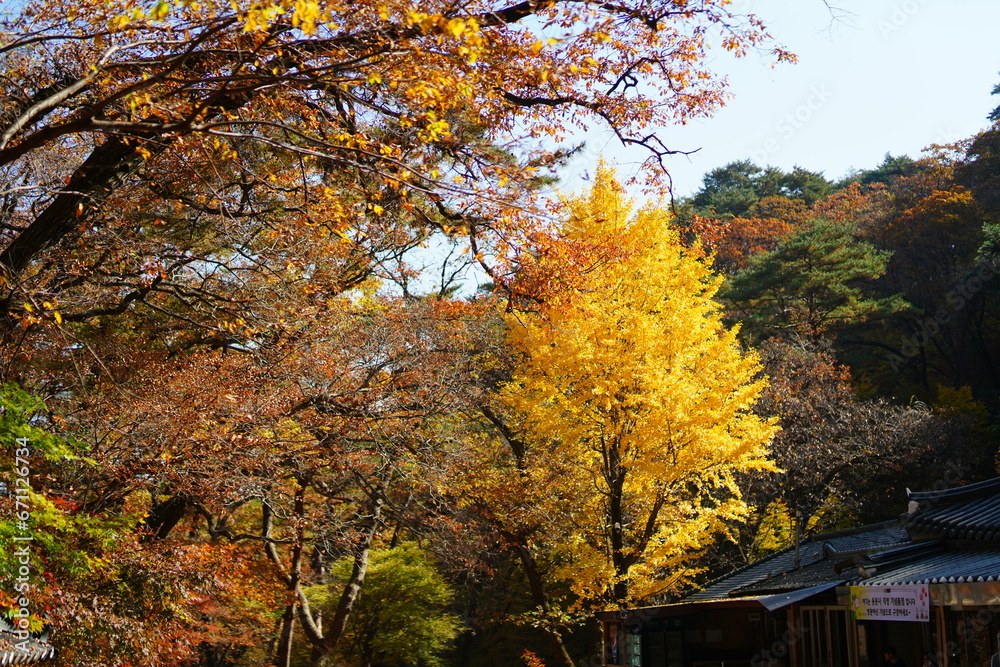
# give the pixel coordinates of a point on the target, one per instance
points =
(890, 603)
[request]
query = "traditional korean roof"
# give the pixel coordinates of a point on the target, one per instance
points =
(984, 489)
(954, 538)
(806, 576)
(945, 566)
(15, 651)
(950, 536)
(817, 555)
(969, 512)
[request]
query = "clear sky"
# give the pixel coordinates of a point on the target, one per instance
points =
(888, 76)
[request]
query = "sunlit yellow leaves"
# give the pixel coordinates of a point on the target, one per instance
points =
(400, 83)
(305, 16)
(456, 27)
(159, 11)
(435, 130)
(629, 378)
(291, 150)
(261, 17)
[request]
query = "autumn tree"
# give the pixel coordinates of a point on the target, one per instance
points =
(198, 202)
(743, 210)
(308, 451)
(109, 597)
(99, 93)
(188, 188)
(630, 412)
(930, 217)
(734, 241)
(251, 470)
(867, 207)
(841, 453)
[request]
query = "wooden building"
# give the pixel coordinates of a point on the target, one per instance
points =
(926, 584)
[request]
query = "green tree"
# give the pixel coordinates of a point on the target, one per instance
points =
(401, 616)
(995, 114)
(734, 188)
(812, 283)
(808, 186)
(890, 168)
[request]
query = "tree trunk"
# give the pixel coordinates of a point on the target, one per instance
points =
(104, 170)
(164, 516)
(555, 641)
(292, 575)
(332, 636)
(283, 658)
(616, 521)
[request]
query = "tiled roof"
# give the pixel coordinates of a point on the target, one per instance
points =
(815, 563)
(808, 575)
(15, 651)
(986, 488)
(966, 513)
(943, 567)
(953, 536)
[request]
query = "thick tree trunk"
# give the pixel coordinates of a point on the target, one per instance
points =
(164, 516)
(104, 170)
(615, 475)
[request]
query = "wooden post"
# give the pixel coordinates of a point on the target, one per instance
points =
(795, 643)
(942, 634)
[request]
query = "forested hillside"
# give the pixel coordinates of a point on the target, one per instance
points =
(248, 417)
(873, 303)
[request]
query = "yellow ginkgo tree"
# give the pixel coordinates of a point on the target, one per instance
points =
(628, 384)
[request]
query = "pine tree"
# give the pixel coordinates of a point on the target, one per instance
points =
(812, 283)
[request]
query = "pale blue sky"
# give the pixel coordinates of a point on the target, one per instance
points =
(890, 76)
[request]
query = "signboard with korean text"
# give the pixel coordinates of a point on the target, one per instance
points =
(890, 603)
